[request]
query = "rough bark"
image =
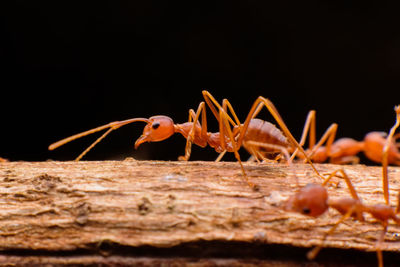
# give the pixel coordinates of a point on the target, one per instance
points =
(146, 212)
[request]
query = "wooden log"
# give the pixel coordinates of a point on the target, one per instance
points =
(203, 213)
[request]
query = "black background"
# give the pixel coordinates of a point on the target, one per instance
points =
(67, 67)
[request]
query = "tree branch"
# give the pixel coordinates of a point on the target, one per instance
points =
(52, 209)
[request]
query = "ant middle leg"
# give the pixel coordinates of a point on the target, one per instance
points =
(227, 133)
(214, 106)
(227, 137)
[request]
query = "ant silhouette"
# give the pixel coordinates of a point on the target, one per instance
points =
(313, 200)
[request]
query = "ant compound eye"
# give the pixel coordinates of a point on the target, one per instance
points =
(155, 125)
(306, 211)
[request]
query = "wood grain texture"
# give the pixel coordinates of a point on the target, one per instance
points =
(79, 206)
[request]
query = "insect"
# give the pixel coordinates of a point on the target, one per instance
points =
(313, 200)
(254, 134)
(344, 150)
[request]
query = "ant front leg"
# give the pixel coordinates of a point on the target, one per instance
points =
(192, 133)
(314, 252)
(214, 106)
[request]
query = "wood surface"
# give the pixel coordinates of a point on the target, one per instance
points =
(202, 213)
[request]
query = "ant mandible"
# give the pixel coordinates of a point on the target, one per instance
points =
(254, 134)
(312, 200)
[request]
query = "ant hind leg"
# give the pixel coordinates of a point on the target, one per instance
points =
(264, 102)
(314, 252)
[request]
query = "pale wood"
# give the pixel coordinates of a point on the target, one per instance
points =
(69, 206)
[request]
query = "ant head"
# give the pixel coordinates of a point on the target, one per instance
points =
(158, 128)
(310, 200)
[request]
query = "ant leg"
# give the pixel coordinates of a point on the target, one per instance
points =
(112, 126)
(281, 149)
(379, 244)
(395, 137)
(256, 155)
(220, 156)
(314, 252)
(355, 208)
(226, 105)
(344, 176)
(190, 137)
(215, 107)
(257, 111)
(385, 155)
(328, 137)
(226, 132)
(310, 123)
(274, 112)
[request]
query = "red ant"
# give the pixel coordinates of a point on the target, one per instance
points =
(344, 150)
(254, 134)
(312, 200)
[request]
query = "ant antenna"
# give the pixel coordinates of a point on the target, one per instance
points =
(112, 125)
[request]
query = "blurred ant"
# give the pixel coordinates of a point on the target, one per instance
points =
(344, 150)
(312, 200)
(255, 135)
